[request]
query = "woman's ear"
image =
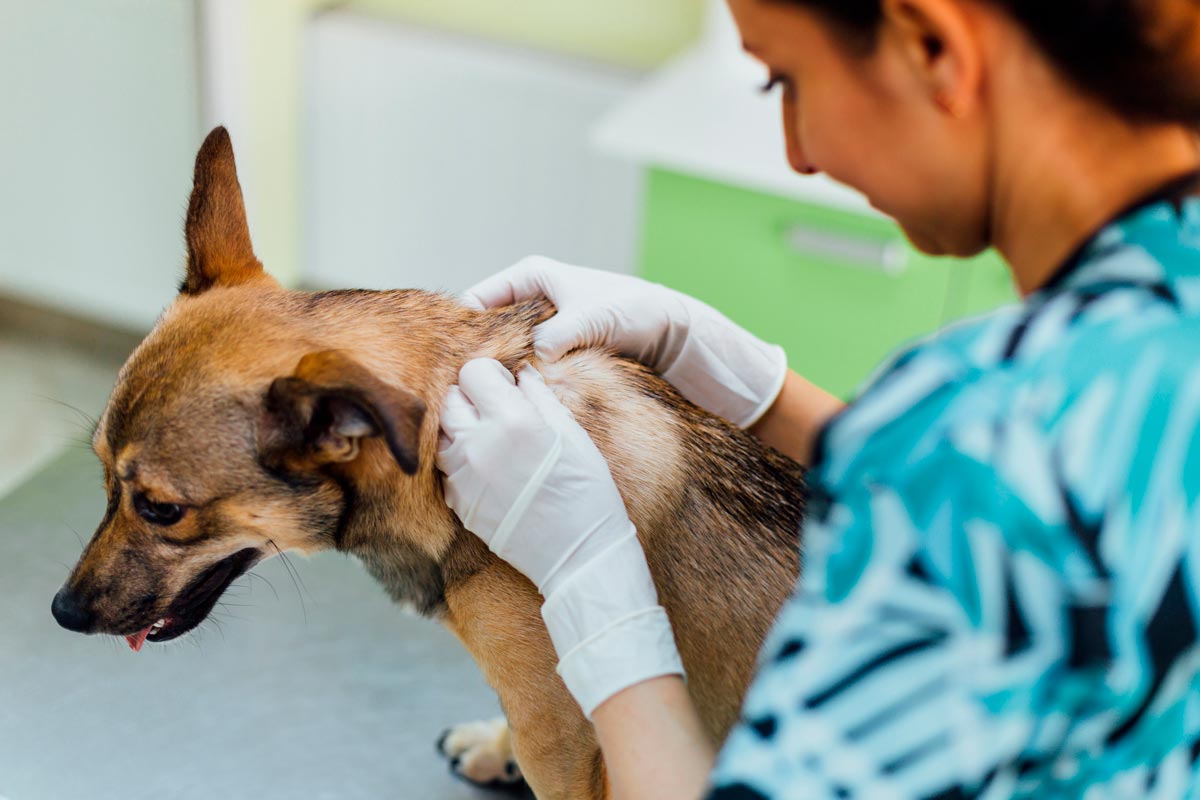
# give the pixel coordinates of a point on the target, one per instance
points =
(938, 42)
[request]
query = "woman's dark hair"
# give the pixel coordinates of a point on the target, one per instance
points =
(1141, 57)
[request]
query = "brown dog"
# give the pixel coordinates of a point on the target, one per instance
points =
(255, 420)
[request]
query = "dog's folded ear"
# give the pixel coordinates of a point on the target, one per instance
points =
(321, 413)
(219, 252)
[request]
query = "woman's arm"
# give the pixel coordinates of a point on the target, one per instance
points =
(792, 423)
(653, 743)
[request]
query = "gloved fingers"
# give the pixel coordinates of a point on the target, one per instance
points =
(490, 388)
(471, 301)
(560, 418)
(448, 458)
(457, 499)
(525, 280)
(561, 334)
(533, 386)
(458, 414)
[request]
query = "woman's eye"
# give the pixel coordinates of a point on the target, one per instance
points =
(773, 80)
(157, 513)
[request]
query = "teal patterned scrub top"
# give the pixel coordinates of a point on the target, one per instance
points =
(1002, 554)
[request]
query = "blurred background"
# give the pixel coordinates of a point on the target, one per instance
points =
(427, 143)
(387, 143)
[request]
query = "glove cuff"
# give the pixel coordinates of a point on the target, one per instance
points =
(607, 626)
(726, 369)
(628, 652)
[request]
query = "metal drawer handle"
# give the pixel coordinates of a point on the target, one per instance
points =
(889, 256)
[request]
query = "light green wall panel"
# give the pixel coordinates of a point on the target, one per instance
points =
(633, 33)
(805, 276)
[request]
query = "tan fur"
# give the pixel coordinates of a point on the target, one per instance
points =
(247, 403)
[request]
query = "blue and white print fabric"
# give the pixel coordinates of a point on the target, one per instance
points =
(1003, 554)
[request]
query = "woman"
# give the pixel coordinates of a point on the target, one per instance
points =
(1000, 595)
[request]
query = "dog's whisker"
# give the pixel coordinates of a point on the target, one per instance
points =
(86, 422)
(263, 578)
(77, 536)
(288, 566)
(220, 627)
(238, 589)
(287, 561)
(226, 613)
(74, 441)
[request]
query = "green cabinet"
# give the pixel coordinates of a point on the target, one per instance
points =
(838, 290)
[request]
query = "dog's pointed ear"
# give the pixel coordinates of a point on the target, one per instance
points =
(219, 252)
(321, 414)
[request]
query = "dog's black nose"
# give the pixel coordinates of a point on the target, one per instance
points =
(70, 612)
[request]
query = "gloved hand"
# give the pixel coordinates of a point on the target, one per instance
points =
(525, 477)
(710, 360)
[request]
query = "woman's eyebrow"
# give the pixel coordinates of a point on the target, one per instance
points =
(750, 48)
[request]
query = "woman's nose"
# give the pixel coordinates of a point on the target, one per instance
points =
(795, 150)
(798, 162)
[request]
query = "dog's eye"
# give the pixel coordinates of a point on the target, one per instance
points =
(157, 513)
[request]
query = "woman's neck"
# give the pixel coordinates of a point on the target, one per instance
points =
(1067, 174)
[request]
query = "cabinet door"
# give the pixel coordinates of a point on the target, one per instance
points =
(838, 290)
(100, 130)
(433, 161)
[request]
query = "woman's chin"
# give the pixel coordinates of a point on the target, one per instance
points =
(921, 238)
(926, 244)
(937, 242)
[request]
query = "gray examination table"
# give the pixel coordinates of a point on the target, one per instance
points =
(343, 705)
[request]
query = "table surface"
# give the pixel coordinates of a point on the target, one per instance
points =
(322, 690)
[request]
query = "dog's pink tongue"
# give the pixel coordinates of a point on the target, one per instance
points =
(136, 640)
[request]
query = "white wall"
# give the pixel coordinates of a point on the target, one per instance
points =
(98, 129)
(433, 160)
(429, 159)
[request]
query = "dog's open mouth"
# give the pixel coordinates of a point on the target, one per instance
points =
(196, 600)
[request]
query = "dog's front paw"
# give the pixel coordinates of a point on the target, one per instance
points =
(481, 752)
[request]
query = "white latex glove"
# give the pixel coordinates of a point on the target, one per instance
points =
(525, 477)
(710, 360)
